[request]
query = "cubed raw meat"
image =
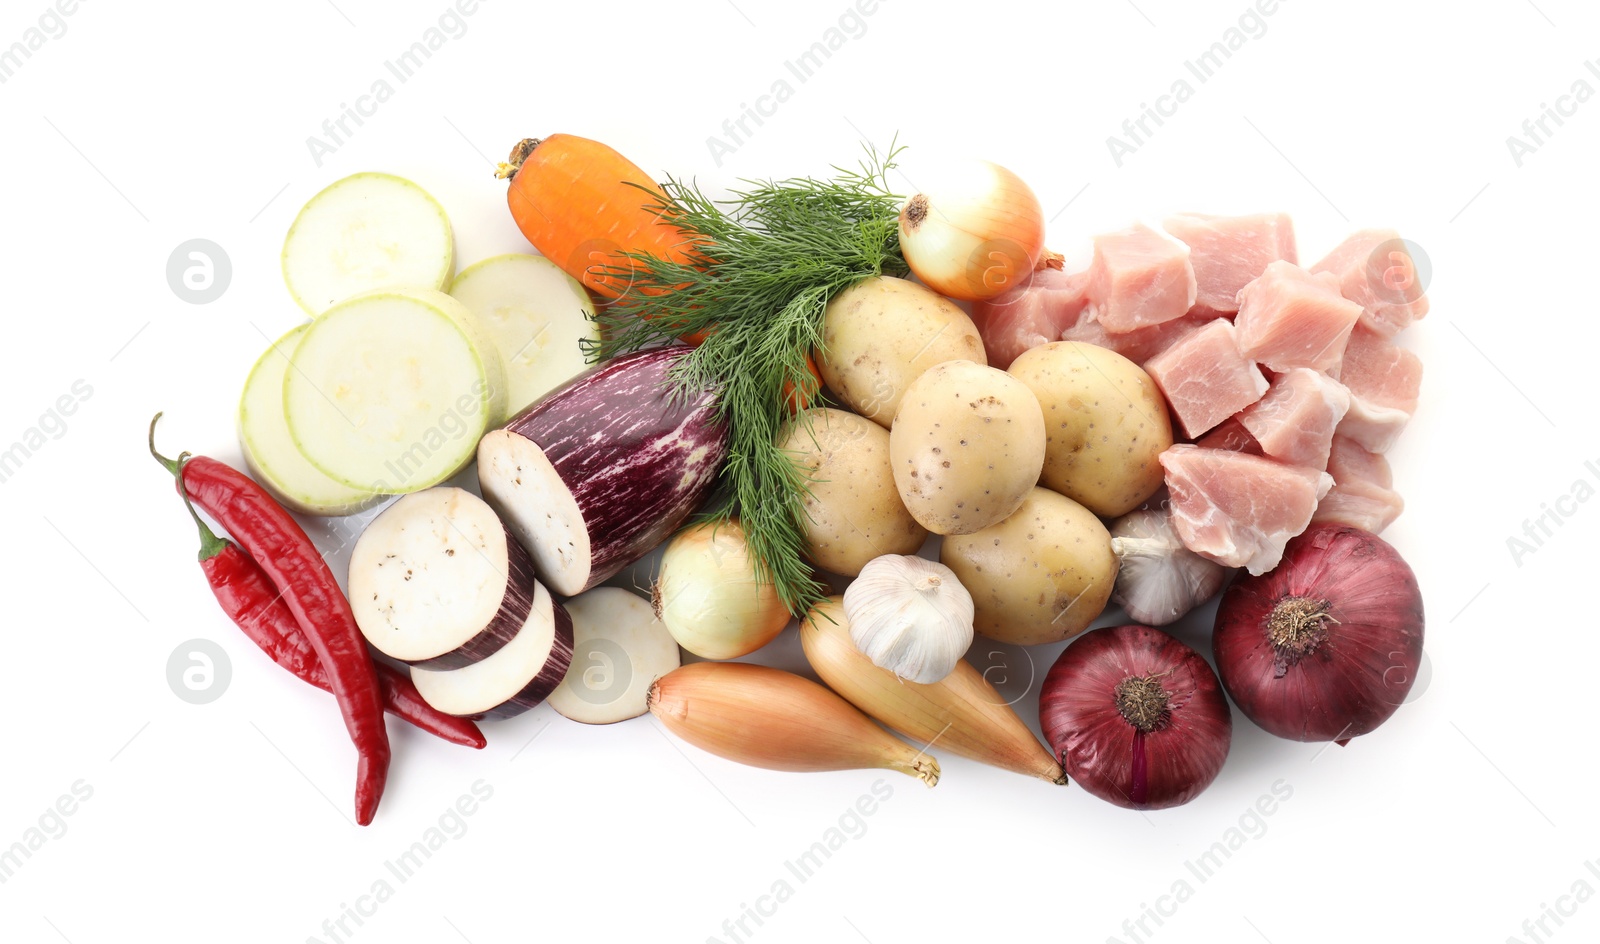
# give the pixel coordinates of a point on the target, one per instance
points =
(1291, 318)
(1294, 422)
(1378, 370)
(1363, 494)
(1207, 313)
(1137, 346)
(1384, 381)
(1229, 252)
(1348, 462)
(1237, 509)
(1031, 314)
(1376, 271)
(1361, 505)
(1231, 435)
(1376, 428)
(1205, 379)
(1138, 278)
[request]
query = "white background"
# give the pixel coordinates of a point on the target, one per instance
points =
(143, 127)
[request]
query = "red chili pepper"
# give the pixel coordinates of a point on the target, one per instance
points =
(253, 603)
(283, 551)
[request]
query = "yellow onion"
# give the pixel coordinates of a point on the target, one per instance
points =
(974, 232)
(710, 597)
(769, 718)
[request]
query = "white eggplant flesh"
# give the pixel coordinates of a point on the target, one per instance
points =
(619, 650)
(519, 676)
(603, 469)
(436, 580)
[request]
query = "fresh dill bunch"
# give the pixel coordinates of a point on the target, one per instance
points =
(757, 274)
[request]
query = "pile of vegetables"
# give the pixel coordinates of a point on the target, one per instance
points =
(770, 388)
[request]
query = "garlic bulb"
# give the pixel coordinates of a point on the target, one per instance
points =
(1159, 580)
(910, 616)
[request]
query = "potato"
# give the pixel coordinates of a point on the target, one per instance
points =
(881, 334)
(854, 511)
(1105, 425)
(1042, 575)
(966, 446)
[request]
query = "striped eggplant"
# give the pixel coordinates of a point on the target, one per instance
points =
(601, 470)
(437, 581)
(523, 673)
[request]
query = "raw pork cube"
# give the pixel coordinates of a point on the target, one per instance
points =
(1384, 380)
(1378, 370)
(1139, 278)
(1363, 494)
(1029, 315)
(1205, 379)
(1229, 252)
(1291, 318)
(1376, 271)
(1348, 462)
(1231, 435)
(1237, 509)
(1137, 346)
(1376, 428)
(1207, 313)
(1294, 422)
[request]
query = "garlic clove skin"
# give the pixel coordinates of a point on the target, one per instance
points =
(1158, 579)
(910, 616)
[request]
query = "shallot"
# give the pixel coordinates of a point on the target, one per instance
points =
(768, 718)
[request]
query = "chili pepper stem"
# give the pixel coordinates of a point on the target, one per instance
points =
(168, 464)
(210, 544)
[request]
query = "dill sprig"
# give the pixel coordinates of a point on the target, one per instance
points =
(758, 272)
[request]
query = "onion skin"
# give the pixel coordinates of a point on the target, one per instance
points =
(962, 711)
(769, 718)
(710, 597)
(1102, 750)
(976, 234)
(1360, 673)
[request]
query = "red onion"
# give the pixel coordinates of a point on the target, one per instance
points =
(1326, 646)
(1136, 717)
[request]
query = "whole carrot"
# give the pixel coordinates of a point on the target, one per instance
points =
(256, 607)
(581, 203)
(283, 551)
